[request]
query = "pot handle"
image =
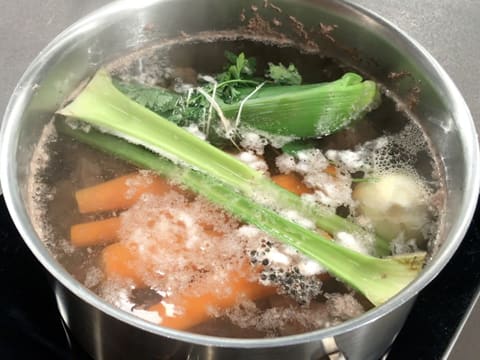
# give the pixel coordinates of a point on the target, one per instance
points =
(331, 349)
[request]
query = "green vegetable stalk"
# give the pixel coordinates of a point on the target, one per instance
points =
(377, 279)
(105, 107)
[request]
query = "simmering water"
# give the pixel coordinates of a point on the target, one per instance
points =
(386, 141)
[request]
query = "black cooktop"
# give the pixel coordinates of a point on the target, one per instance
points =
(30, 325)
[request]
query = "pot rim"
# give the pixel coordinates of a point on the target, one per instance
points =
(22, 94)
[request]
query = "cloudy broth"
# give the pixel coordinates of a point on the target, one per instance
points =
(387, 140)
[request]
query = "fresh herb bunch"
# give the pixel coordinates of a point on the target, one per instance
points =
(282, 75)
(238, 73)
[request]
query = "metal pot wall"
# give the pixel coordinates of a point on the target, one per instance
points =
(359, 37)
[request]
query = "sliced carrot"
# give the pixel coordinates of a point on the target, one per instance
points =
(210, 230)
(98, 232)
(120, 261)
(184, 311)
(120, 193)
(123, 261)
(102, 232)
(331, 170)
(292, 183)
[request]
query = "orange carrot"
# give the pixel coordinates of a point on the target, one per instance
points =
(331, 170)
(102, 232)
(292, 183)
(120, 193)
(119, 261)
(190, 310)
(98, 232)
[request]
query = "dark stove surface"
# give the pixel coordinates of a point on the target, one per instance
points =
(29, 321)
(30, 325)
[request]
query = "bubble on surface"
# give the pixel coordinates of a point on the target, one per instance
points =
(93, 277)
(253, 142)
(256, 162)
(343, 306)
(295, 274)
(40, 192)
(281, 319)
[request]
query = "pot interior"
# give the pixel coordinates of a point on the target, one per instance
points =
(303, 29)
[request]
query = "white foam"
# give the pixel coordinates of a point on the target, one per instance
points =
(276, 257)
(285, 163)
(351, 160)
(295, 217)
(351, 242)
(253, 142)
(151, 316)
(38, 190)
(254, 161)
(143, 178)
(194, 130)
(277, 141)
(93, 277)
(331, 191)
(181, 242)
(282, 318)
(249, 231)
(171, 310)
(343, 306)
(402, 245)
(310, 267)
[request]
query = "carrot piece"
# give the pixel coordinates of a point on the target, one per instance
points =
(102, 232)
(120, 193)
(119, 261)
(95, 232)
(292, 183)
(331, 170)
(190, 310)
(122, 261)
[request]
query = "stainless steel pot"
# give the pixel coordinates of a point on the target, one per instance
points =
(360, 37)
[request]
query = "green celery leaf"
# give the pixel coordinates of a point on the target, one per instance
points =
(282, 75)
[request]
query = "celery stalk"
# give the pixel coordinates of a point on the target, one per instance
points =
(101, 104)
(377, 279)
